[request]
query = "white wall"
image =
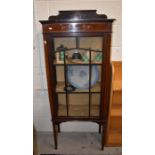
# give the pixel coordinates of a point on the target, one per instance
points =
(42, 10)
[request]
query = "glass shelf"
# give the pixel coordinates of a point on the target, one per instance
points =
(95, 89)
(69, 62)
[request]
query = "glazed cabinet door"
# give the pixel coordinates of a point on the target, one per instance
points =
(76, 67)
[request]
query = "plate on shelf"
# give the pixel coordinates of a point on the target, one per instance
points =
(78, 76)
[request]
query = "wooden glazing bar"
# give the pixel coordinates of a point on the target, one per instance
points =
(89, 82)
(95, 89)
(77, 42)
(102, 79)
(76, 64)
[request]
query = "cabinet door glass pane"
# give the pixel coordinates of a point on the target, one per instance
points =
(91, 42)
(78, 63)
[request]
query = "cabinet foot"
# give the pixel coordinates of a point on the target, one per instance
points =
(59, 128)
(100, 128)
(55, 136)
(103, 136)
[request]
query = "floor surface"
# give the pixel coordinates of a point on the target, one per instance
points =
(74, 143)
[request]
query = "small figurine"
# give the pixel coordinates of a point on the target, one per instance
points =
(60, 54)
(76, 57)
(69, 88)
(98, 57)
(86, 56)
(57, 57)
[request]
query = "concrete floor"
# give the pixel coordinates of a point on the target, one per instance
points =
(74, 143)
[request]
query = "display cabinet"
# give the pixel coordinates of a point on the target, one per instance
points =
(77, 55)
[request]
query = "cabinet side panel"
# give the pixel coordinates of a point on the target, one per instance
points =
(49, 82)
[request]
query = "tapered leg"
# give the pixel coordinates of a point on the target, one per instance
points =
(55, 135)
(59, 128)
(100, 128)
(103, 136)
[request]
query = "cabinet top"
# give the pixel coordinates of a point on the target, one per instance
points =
(77, 16)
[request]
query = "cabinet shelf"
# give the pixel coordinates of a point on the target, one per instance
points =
(95, 89)
(69, 62)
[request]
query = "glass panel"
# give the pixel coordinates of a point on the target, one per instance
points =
(62, 109)
(78, 104)
(78, 50)
(68, 42)
(78, 62)
(91, 42)
(60, 74)
(95, 103)
(80, 42)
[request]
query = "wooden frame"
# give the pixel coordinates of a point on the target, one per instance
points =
(78, 24)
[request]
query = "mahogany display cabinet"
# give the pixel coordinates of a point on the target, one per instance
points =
(78, 67)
